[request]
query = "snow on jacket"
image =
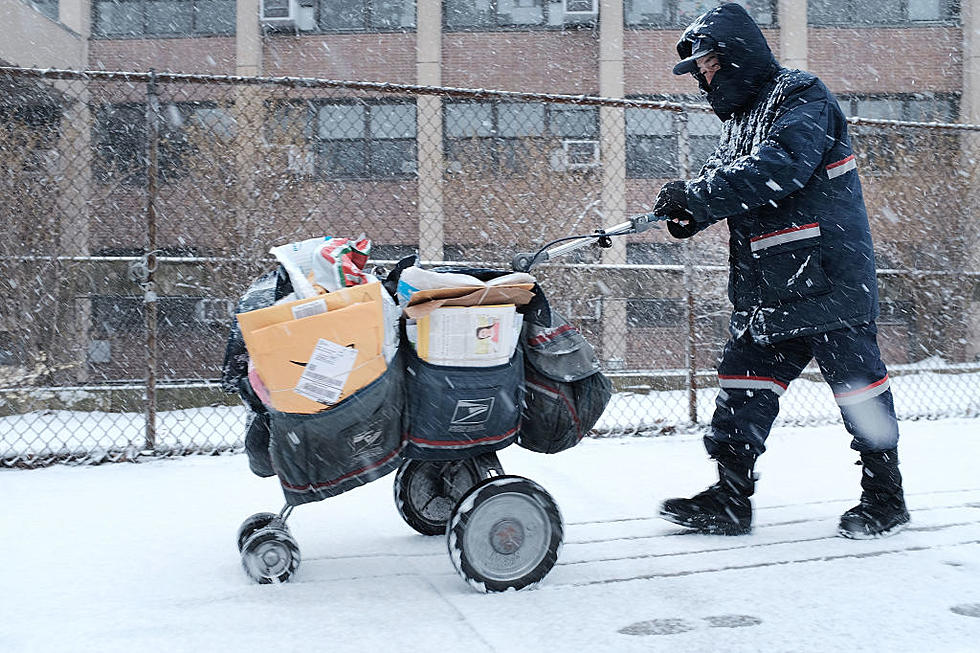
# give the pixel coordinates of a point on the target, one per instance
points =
(784, 177)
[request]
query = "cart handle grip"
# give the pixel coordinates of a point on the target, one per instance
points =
(524, 261)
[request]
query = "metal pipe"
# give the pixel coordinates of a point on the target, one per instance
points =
(149, 287)
(690, 350)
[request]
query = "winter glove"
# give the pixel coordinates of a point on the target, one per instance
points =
(682, 230)
(672, 202)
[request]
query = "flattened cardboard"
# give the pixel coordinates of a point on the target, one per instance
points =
(426, 301)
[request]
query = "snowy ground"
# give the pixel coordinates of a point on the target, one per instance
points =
(141, 557)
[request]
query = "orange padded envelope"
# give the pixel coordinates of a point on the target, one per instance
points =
(300, 308)
(281, 353)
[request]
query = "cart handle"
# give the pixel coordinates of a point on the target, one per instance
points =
(524, 261)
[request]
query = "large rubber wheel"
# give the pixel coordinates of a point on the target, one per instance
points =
(504, 534)
(252, 524)
(270, 555)
(426, 491)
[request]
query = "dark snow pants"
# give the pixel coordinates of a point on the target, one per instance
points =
(752, 376)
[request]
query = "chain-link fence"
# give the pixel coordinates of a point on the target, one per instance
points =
(135, 208)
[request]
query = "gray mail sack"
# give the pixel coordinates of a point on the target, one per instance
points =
(459, 412)
(356, 441)
(566, 392)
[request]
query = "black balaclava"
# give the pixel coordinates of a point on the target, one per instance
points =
(747, 63)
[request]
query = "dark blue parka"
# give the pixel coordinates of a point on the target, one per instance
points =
(785, 179)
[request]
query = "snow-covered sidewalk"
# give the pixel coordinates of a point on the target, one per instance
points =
(142, 558)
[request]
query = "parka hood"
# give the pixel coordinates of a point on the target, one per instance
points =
(747, 63)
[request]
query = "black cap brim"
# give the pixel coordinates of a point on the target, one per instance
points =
(700, 48)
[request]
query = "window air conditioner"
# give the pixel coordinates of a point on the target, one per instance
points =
(297, 159)
(290, 14)
(581, 7)
(580, 154)
(212, 310)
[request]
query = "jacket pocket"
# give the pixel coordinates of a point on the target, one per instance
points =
(788, 264)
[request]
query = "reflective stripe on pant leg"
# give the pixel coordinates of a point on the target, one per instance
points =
(751, 378)
(851, 364)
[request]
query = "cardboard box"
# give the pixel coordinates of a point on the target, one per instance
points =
(302, 308)
(468, 336)
(308, 364)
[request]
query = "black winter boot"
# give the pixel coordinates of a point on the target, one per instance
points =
(882, 510)
(722, 509)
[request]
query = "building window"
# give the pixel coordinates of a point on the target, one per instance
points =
(681, 13)
(504, 14)
(121, 138)
(651, 141)
(122, 316)
(136, 18)
(654, 253)
(658, 312)
(47, 7)
(918, 107)
(366, 15)
(510, 137)
(880, 12)
(881, 151)
(346, 139)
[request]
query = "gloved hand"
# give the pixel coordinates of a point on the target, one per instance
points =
(672, 202)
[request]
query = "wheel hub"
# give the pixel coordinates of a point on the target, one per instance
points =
(507, 536)
(269, 560)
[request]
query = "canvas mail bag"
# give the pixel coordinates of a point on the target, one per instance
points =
(565, 391)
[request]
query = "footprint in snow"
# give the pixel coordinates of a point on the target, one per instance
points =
(675, 626)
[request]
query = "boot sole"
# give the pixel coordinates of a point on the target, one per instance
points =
(851, 535)
(674, 518)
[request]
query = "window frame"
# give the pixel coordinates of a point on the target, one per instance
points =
(553, 17)
(98, 32)
(950, 11)
(907, 100)
(499, 147)
(130, 145)
(49, 8)
(875, 157)
(674, 21)
(699, 142)
(313, 143)
(368, 12)
(656, 313)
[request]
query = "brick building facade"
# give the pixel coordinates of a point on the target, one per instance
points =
(897, 59)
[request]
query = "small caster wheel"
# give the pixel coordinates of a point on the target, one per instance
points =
(426, 491)
(270, 555)
(504, 534)
(252, 524)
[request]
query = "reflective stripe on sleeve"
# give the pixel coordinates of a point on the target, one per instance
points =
(847, 164)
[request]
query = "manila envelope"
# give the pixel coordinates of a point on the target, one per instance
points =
(281, 351)
(301, 308)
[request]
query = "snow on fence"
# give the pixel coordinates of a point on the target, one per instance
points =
(137, 206)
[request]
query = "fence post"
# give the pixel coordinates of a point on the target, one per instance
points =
(690, 351)
(149, 288)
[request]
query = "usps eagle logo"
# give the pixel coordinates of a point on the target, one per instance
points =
(472, 412)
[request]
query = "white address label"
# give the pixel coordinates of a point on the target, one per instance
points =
(326, 373)
(310, 308)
